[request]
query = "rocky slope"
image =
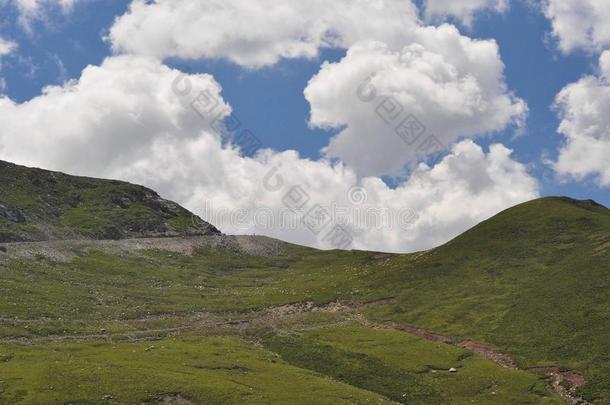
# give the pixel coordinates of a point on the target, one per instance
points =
(38, 205)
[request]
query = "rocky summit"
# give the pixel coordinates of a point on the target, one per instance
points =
(38, 205)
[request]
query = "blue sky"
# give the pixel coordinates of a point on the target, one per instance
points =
(269, 101)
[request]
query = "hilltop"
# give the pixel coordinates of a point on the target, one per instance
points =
(515, 310)
(533, 281)
(38, 205)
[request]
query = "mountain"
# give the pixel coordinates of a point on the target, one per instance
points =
(514, 311)
(38, 205)
(533, 281)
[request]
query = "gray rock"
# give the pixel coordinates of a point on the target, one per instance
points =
(74, 201)
(13, 215)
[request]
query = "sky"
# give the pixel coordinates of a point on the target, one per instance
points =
(378, 124)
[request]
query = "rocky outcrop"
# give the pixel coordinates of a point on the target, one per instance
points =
(12, 214)
(39, 205)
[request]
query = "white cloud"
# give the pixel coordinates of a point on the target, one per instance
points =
(115, 113)
(453, 85)
(466, 187)
(580, 24)
(463, 10)
(432, 207)
(124, 119)
(6, 47)
(583, 107)
(604, 65)
(257, 33)
(30, 10)
(31, 6)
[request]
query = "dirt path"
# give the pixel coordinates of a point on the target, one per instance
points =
(563, 382)
(66, 250)
(571, 377)
(557, 377)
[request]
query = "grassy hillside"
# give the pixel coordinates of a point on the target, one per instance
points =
(191, 369)
(215, 326)
(215, 319)
(534, 280)
(40, 205)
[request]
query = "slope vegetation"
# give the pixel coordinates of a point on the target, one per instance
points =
(491, 317)
(534, 281)
(41, 205)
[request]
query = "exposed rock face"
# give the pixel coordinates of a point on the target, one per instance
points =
(589, 205)
(37, 205)
(13, 215)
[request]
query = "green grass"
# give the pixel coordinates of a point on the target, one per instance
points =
(533, 281)
(100, 287)
(408, 369)
(210, 370)
(58, 206)
(344, 363)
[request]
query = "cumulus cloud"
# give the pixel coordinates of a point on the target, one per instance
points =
(452, 83)
(134, 118)
(463, 10)
(583, 108)
(248, 195)
(465, 188)
(580, 24)
(256, 33)
(115, 113)
(447, 85)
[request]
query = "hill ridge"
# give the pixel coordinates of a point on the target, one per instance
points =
(531, 283)
(38, 205)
